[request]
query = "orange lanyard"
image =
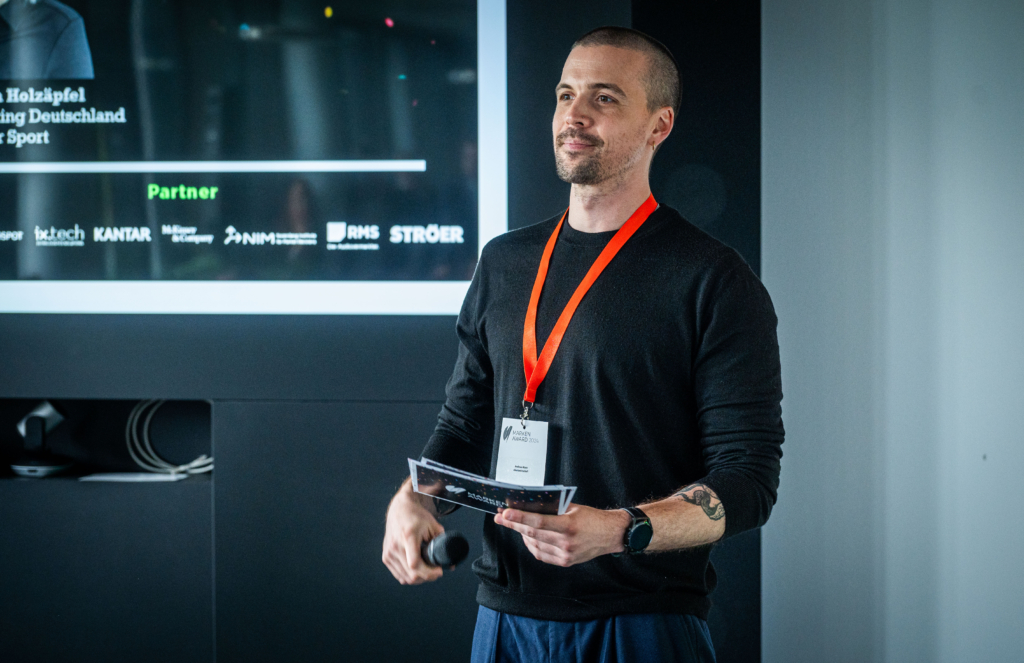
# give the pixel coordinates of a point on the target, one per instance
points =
(537, 369)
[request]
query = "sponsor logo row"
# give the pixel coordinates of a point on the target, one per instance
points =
(340, 236)
(76, 235)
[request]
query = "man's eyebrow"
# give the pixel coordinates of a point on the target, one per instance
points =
(596, 86)
(610, 86)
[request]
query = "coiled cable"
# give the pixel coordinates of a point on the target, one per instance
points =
(141, 448)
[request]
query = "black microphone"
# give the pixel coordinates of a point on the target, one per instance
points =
(446, 550)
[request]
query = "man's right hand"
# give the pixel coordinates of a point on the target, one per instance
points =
(410, 522)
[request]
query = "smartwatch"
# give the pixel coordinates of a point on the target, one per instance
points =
(638, 534)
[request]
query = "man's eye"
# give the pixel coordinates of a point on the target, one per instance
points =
(604, 99)
(565, 96)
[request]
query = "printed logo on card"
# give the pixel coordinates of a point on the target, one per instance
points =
(508, 431)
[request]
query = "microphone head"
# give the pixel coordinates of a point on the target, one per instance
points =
(447, 550)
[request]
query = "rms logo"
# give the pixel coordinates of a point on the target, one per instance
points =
(342, 236)
(339, 231)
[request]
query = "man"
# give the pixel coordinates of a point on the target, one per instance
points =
(42, 39)
(663, 395)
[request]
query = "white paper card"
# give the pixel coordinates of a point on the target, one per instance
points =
(134, 477)
(567, 496)
(522, 452)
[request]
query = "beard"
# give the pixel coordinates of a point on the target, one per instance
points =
(585, 170)
(598, 167)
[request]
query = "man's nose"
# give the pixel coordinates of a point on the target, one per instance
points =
(577, 114)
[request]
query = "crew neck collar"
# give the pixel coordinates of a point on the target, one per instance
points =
(570, 235)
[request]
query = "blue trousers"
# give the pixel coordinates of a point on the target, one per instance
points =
(654, 638)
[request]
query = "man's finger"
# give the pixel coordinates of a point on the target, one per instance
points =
(413, 577)
(420, 570)
(429, 574)
(548, 536)
(413, 557)
(396, 565)
(536, 534)
(547, 553)
(403, 573)
(536, 520)
(389, 561)
(391, 570)
(549, 549)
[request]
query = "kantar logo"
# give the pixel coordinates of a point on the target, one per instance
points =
(234, 237)
(508, 431)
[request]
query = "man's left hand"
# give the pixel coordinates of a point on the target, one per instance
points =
(579, 535)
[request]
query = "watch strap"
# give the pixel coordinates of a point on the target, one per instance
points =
(444, 507)
(638, 518)
(637, 515)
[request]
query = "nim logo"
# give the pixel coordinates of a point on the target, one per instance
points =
(508, 431)
(268, 239)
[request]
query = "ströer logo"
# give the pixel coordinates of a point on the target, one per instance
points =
(432, 234)
(508, 431)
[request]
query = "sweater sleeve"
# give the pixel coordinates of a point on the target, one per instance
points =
(464, 434)
(71, 57)
(738, 393)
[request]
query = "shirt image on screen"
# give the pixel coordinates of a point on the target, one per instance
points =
(239, 156)
(42, 39)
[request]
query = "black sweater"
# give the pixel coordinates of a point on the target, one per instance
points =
(668, 375)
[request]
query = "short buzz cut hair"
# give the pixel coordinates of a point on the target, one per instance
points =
(661, 80)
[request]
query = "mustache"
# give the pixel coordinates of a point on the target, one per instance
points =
(578, 136)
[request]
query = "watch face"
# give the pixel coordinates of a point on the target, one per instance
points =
(640, 536)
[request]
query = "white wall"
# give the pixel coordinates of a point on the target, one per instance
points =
(893, 247)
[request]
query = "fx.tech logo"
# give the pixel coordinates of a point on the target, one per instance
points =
(508, 431)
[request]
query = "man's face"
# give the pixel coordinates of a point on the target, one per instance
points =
(601, 126)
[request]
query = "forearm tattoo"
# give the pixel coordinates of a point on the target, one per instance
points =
(702, 496)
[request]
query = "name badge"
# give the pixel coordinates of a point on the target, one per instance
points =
(522, 452)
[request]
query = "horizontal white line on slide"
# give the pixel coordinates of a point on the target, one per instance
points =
(235, 297)
(150, 167)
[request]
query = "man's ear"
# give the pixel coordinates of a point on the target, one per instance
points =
(664, 120)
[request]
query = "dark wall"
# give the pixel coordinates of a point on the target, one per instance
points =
(105, 572)
(710, 170)
(220, 356)
(300, 520)
(313, 417)
(540, 37)
(710, 167)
